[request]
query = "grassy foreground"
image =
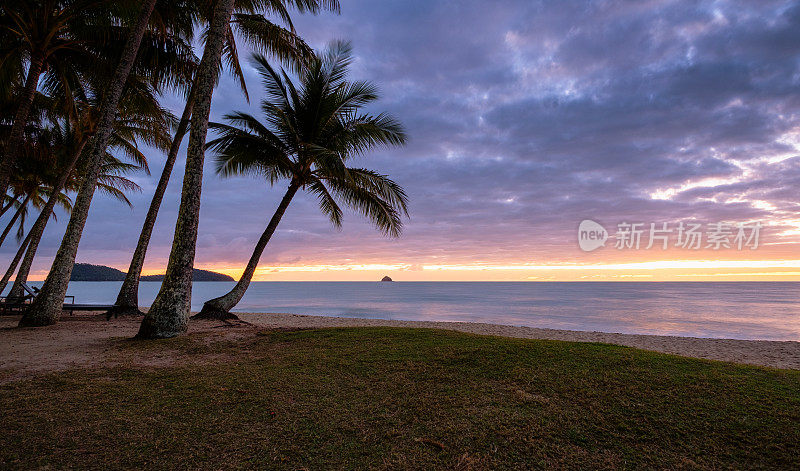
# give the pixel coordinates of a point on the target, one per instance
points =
(403, 398)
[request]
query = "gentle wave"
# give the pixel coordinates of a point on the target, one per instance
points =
(741, 310)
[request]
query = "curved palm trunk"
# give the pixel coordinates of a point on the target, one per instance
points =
(33, 238)
(128, 297)
(219, 308)
(9, 205)
(46, 307)
(14, 263)
(14, 219)
(20, 120)
(36, 232)
(169, 313)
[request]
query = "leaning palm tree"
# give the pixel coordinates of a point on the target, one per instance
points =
(111, 182)
(55, 144)
(28, 176)
(141, 119)
(167, 25)
(309, 133)
(32, 178)
(18, 216)
(259, 33)
(169, 313)
(46, 307)
(31, 175)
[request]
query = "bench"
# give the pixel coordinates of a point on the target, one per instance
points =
(71, 307)
(17, 304)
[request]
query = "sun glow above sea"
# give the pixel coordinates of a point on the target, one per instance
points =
(657, 270)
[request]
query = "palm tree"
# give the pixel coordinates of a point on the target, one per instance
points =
(169, 313)
(46, 307)
(53, 38)
(111, 182)
(22, 209)
(31, 177)
(12, 201)
(140, 119)
(30, 174)
(56, 194)
(19, 215)
(309, 133)
(260, 34)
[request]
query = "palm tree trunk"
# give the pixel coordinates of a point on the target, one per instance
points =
(219, 308)
(20, 120)
(36, 232)
(169, 314)
(14, 263)
(33, 238)
(11, 203)
(46, 307)
(128, 297)
(14, 219)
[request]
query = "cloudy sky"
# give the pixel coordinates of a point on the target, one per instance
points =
(525, 118)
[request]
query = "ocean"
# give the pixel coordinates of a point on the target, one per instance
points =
(739, 310)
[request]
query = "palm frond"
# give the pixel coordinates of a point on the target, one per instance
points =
(357, 135)
(113, 192)
(273, 82)
(327, 204)
(380, 212)
(382, 185)
(240, 152)
(231, 57)
(266, 37)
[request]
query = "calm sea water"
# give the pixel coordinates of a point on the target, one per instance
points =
(742, 310)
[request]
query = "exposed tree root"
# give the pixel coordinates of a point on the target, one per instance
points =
(123, 311)
(214, 313)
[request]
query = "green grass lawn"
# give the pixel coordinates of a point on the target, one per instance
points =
(403, 398)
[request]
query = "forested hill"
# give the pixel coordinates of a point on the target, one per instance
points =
(197, 275)
(89, 272)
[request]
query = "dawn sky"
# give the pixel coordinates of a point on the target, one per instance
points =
(525, 118)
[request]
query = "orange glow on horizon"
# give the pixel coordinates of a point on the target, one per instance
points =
(664, 270)
(661, 270)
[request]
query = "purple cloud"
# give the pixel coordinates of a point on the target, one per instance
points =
(525, 117)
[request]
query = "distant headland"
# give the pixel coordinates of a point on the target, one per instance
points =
(89, 272)
(386, 278)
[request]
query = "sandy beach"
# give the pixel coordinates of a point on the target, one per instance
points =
(88, 340)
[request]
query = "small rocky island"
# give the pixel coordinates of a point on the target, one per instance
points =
(386, 278)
